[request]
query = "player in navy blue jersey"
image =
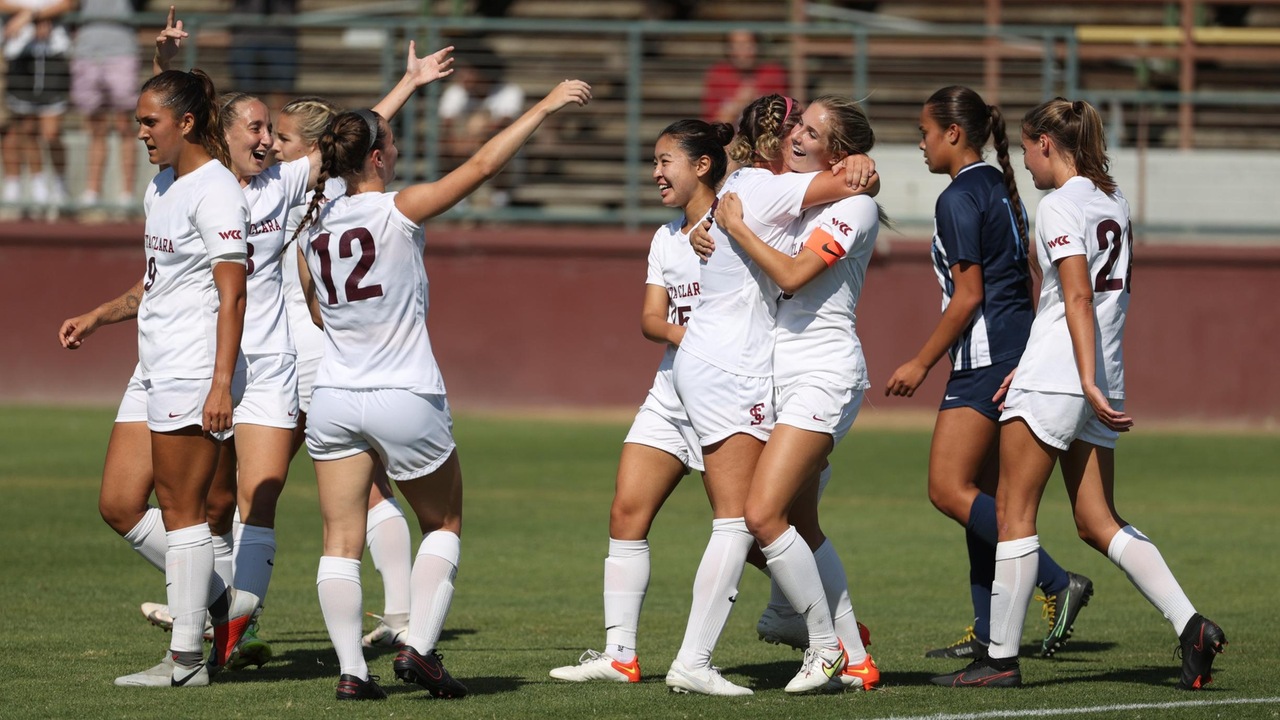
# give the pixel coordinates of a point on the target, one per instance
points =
(980, 253)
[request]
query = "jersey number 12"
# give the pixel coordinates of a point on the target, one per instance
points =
(352, 287)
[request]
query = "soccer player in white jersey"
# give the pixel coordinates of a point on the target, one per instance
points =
(189, 326)
(688, 164)
(298, 131)
(980, 255)
(724, 372)
(1065, 401)
(820, 376)
(379, 398)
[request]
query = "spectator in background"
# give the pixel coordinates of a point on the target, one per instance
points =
(476, 105)
(36, 48)
(104, 89)
(739, 79)
(264, 57)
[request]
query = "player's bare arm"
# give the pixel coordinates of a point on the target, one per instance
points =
(125, 307)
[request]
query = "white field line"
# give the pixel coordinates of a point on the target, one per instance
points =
(1057, 712)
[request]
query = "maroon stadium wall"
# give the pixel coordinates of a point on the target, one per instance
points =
(537, 317)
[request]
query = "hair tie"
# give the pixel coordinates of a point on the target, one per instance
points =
(372, 120)
(787, 113)
(1077, 107)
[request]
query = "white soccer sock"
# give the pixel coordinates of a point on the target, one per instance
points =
(387, 535)
(224, 558)
(1140, 559)
(835, 584)
(793, 568)
(148, 538)
(188, 574)
(1016, 564)
(255, 556)
(338, 584)
(777, 599)
(433, 572)
(626, 579)
(715, 587)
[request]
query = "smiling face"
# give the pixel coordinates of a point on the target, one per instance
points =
(675, 173)
(249, 139)
(161, 133)
(810, 142)
(289, 145)
(938, 149)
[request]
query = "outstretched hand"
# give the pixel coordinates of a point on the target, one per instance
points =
(169, 41)
(428, 69)
(569, 91)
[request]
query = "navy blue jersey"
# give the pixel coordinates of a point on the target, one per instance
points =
(973, 222)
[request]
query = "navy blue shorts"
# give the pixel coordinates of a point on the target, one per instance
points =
(974, 388)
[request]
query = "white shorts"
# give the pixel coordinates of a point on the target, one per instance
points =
(271, 395)
(670, 434)
(819, 406)
(133, 406)
(1058, 419)
(175, 403)
(411, 432)
(307, 368)
(721, 404)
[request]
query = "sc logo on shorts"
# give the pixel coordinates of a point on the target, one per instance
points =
(757, 414)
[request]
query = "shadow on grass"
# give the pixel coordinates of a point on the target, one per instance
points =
(317, 659)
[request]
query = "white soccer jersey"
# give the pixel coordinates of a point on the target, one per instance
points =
(270, 193)
(1079, 219)
(816, 334)
(365, 258)
(733, 330)
(199, 216)
(673, 265)
(308, 340)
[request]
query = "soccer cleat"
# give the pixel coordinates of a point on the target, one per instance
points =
(351, 687)
(158, 614)
(966, 647)
(702, 681)
(596, 666)
(1200, 641)
(232, 613)
(427, 671)
(863, 676)
(820, 670)
(167, 673)
(984, 673)
(789, 628)
(1060, 611)
(252, 649)
(385, 636)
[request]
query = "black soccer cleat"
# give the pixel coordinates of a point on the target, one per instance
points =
(1061, 611)
(984, 673)
(1199, 642)
(351, 687)
(427, 671)
(966, 648)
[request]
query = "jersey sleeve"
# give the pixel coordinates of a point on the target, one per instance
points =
(294, 176)
(844, 225)
(959, 225)
(1059, 230)
(779, 199)
(654, 276)
(222, 219)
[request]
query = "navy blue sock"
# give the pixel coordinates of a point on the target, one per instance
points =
(1052, 579)
(982, 572)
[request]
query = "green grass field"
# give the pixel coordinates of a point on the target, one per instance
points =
(528, 589)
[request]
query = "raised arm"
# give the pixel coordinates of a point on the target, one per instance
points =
(426, 200)
(168, 42)
(125, 307)
(790, 273)
(855, 175)
(418, 72)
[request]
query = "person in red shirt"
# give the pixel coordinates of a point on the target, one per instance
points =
(739, 79)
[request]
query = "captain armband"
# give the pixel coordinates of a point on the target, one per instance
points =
(822, 243)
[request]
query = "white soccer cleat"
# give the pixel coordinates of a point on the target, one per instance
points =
(703, 681)
(385, 636)
(167, 673)
(783, 628)
(594, 666)
(158, 614)
(820, 670)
